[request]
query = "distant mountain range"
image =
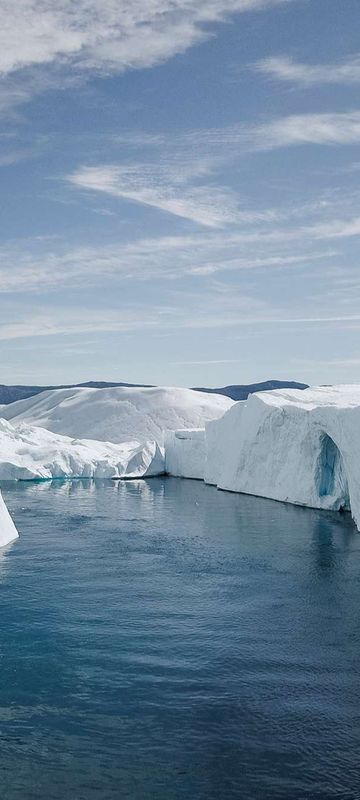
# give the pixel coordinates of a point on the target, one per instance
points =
(9, 394)
(241, 392)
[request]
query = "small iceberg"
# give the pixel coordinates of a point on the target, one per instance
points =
(8, 532)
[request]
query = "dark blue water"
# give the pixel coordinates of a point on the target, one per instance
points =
(161, 640)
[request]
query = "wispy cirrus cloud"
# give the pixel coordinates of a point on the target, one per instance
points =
(336, 128)
(295, 237)
(271, 245)
(56, 321)
(104, 35)
(162, 188)
(182, 176)
(221, 144)
(284, 68)
(198, 314)
(163, 258)
(173, 187)
(45, 46)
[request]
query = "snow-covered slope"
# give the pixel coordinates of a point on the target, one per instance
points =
(27, 453)
(118, 414)
(8, 532)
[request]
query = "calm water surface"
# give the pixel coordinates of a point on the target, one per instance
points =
(161, 640)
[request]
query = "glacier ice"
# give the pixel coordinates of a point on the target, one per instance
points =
(28, 452)
(185, 453)
(118, 414)
(8, 532)
(295, 446)
(299, 447)
(97, 433)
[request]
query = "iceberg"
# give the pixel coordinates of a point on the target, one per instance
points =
(300, 447)
(8, 532)
(29, 453)
(117, 414)
(295, 446)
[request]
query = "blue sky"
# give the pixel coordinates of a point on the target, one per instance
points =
(180, 192)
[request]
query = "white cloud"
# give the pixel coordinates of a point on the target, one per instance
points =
(210, 304)
(172, 187)
(243, 312)
(180, 177)
(70, 321)
(173, 178)
(110, 35)
(284, 68)
(48, 264)
(162, 258)
(296, 129)
(157, 187)
(328, 129)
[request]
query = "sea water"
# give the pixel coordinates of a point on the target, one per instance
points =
(161, 640)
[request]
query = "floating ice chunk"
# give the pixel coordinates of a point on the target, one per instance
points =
(8, 532)
(145, 461)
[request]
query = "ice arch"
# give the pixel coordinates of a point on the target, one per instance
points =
(331, 475)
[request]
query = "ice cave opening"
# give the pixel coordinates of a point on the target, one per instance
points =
(332, 476)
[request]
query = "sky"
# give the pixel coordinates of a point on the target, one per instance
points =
(179, 191)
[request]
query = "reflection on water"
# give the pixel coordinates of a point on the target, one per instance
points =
(160, 640)
(4, 551)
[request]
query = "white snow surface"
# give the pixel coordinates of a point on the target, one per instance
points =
(118, 414)
(29, 452)
(185, 453)
(8, 532)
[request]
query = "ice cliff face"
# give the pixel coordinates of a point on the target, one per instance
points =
(8, 532)
(299, 447)
(185, 453)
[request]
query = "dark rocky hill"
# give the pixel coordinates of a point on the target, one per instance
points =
(241, 392)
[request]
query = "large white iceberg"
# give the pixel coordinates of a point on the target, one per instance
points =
(299, 447)
(28, 453)
(118, 414)
(295, 446)
(8, 532)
